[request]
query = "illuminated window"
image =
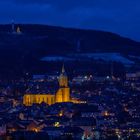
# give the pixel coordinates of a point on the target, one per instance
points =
(38, 99)
(52, 100)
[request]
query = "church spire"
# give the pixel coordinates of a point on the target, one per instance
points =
(63, 79)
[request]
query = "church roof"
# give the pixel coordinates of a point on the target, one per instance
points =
(41, 92)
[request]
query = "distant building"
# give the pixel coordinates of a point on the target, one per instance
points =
(2, 128)
(14, 29)
(18, 31)
(13, 26)
(62, 95)
(39, 77)
(133, 76)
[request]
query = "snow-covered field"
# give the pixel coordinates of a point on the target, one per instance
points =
(96, 56)
(108, 57)
(57, 58)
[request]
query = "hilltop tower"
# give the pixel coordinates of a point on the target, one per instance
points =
(78, 47)
(18, 31)
(63, 94)
(13, 26)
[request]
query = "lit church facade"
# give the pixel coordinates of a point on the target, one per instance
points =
(62, 95)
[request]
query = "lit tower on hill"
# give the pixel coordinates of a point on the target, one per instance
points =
(13, 26)
(14, 29)
(18, 30)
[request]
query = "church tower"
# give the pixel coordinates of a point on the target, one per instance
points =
(63, 94)
(63, 79)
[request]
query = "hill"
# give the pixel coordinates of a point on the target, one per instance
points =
(20, 53)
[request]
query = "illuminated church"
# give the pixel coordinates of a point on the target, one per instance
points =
(62, 95)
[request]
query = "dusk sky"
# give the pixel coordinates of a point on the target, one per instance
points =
(118, 16)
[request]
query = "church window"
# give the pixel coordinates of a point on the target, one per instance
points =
(52, 100)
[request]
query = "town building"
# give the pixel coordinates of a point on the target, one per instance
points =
(62, 94)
